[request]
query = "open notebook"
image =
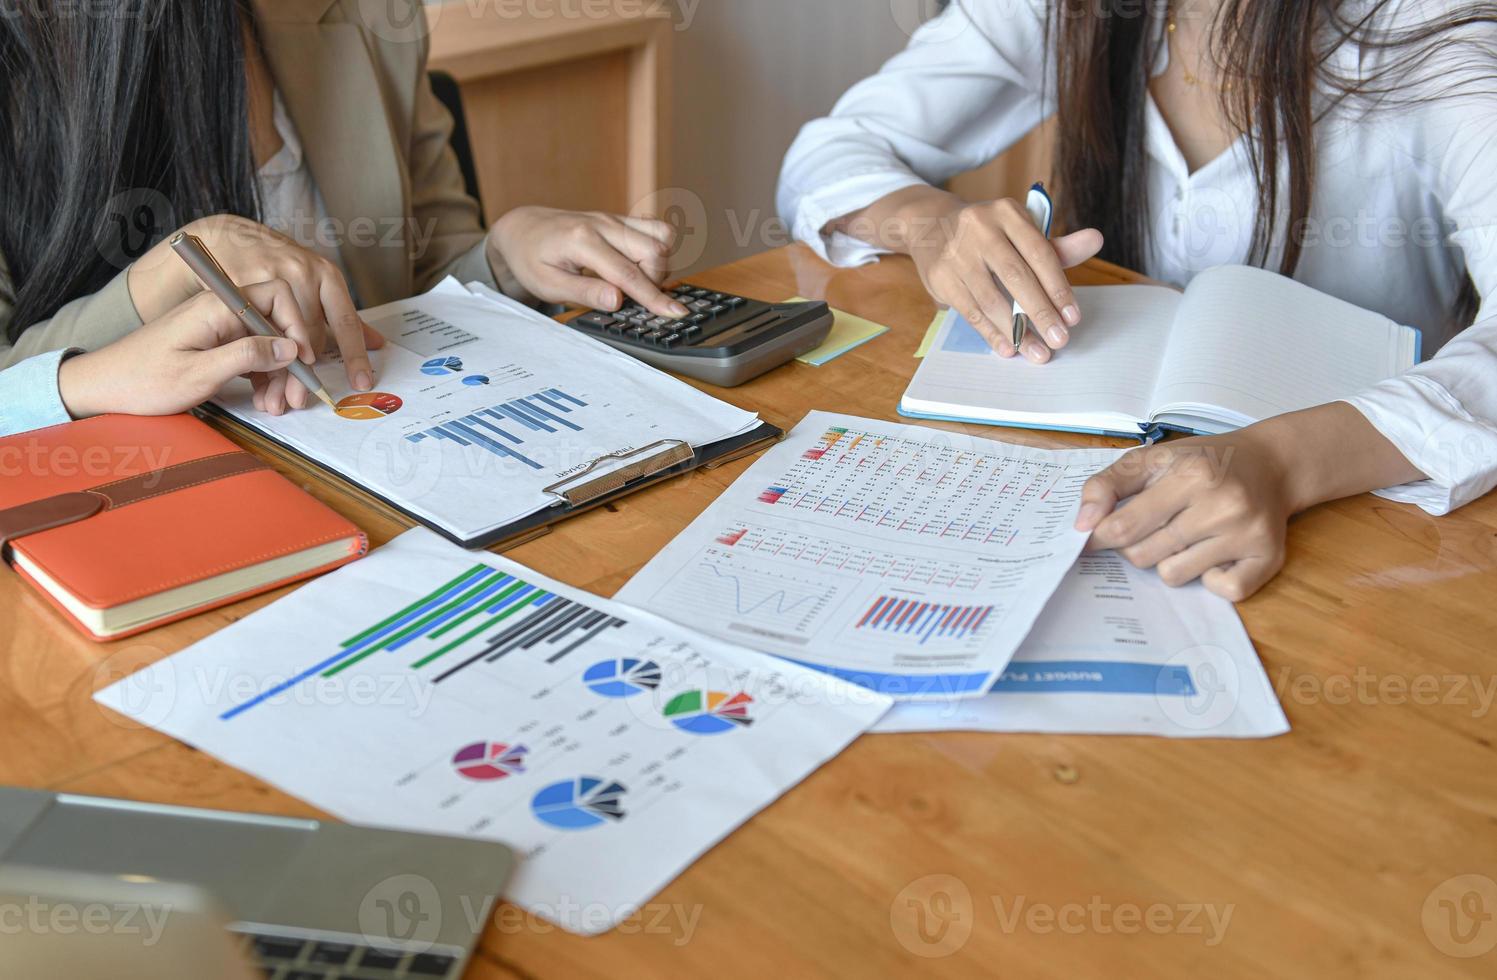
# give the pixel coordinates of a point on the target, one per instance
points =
(1238, 345)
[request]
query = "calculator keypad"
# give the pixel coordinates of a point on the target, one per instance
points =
(711, 313)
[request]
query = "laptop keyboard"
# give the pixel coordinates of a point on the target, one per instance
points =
(287, 958)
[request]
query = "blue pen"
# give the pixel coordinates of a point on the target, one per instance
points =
(1041, 210)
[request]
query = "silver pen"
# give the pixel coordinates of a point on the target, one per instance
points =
(203, 265)
(1041, 210)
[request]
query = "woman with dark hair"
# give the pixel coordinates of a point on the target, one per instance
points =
(301, 141)
(1351, 145)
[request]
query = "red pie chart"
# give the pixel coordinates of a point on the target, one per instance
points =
(487, 761)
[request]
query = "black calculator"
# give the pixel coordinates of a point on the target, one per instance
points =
(725, 340)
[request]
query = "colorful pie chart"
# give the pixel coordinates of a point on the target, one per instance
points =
(577, 804)
(709, 712)
(368, 406)
(622, 678)
(487, 761)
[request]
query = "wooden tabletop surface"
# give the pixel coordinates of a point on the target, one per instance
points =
(1362, 844)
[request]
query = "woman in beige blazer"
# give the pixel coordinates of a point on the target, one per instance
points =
(301, 140)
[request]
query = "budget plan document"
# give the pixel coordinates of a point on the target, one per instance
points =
(1118, 652)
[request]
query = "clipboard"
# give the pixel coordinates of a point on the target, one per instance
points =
(576, 494)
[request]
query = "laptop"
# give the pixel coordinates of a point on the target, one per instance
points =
(302, 899)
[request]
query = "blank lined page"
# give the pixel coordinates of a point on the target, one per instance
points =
(1258, 344)
(1109, 368)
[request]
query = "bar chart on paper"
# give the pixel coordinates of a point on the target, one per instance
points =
(441, 628)
(923, 620)
(905, 559)
(500, 428)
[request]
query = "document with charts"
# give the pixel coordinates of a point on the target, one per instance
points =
(427, 688)
(1118, 652)
(906, 559)
(480, 404)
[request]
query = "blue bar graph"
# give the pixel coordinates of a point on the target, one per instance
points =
(490, 428)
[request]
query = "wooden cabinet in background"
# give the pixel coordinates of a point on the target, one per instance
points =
(569, 111)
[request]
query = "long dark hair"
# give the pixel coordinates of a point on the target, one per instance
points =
(118, 123)
(1277, 55)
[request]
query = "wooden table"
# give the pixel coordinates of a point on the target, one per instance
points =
(1332, 849)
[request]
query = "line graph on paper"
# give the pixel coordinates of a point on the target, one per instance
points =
(753, 596)
(779, 603)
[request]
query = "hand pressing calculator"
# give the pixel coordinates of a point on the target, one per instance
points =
(726, 340)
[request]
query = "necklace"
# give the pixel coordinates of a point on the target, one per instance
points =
(1186, 74)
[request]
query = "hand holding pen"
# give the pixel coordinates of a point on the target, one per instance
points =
(969, 255)
(181, 358)
(206, 268)
(248, 252)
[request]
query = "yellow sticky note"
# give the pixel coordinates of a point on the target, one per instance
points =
(848, 331)
(930, 334)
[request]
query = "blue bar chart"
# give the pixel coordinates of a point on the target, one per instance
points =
(494, 429)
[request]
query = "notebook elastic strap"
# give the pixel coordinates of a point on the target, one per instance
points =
(80, 505)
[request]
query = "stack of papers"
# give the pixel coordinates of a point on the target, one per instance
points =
(915, 562)
(480, 404)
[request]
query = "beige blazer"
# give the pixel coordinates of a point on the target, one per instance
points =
(376, 142)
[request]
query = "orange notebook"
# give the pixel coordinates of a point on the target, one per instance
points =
(125, 523)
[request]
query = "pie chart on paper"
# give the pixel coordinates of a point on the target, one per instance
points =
(368, 406)
(577, 804)
(442, 366)
(709, 712)
(622, 678)
(488, 761)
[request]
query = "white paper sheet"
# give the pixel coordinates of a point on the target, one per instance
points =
(610, 751)
(480, 404)
(907, 559)
(1118, 652)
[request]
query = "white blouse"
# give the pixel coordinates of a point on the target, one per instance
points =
(290, 201)
(1405, 203)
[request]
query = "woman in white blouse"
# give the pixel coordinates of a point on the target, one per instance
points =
(1351, 145)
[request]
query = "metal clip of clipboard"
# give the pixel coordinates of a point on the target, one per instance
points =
(658, 456)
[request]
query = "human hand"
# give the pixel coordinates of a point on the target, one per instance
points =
(182, 359)
(251, 252)
(587, 258)
(1215, 508)
(963, 254)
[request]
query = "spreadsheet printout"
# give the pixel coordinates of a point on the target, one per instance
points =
(906, 559)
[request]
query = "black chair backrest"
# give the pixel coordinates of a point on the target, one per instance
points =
(446, 89)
